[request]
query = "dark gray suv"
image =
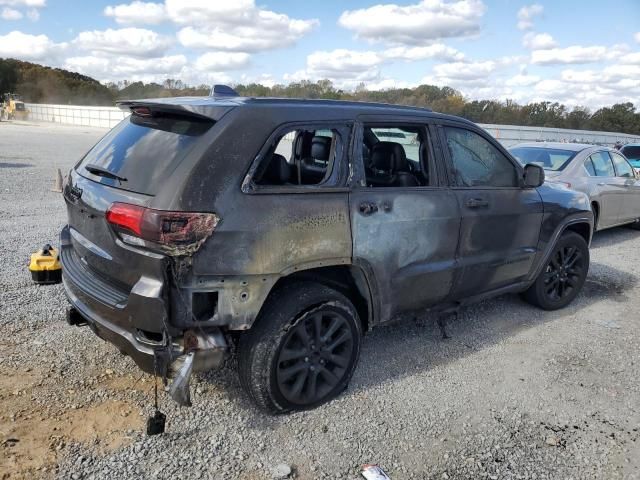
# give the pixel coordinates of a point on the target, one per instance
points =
(291, 227)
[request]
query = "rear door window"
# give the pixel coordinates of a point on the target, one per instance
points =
(588, 164)
(302, 156)
(623, 168)
(602, 164)
(141, 152)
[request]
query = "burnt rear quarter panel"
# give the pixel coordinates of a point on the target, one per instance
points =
(262, 233)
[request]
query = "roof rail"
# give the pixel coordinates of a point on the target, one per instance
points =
(223, 91)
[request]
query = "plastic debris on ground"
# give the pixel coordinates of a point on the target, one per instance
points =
(374, 472)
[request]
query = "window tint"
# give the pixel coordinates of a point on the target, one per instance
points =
(300, 157)
(410, 141)
(476, 162)
(588, 164)
(632, 152)
(623, 169)
(602, 164)
(144, 150)
(548, 158)
(396, 156)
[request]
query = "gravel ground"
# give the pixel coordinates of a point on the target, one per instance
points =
(515, 393)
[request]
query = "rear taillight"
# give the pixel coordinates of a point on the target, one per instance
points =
(173, 233)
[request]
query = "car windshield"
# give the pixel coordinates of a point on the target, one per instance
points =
(632, 152)
(553, 159)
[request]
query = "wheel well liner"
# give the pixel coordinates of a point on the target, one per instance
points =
(581, 228)
(595, 206)
(347, 279)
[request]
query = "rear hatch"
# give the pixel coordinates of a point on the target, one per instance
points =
(126, 169)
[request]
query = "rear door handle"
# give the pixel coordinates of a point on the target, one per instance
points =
(476, 203)
(367, 208)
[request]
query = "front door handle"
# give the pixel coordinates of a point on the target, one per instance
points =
(367, 208)
(476, 203)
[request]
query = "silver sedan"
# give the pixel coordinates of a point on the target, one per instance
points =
(601, 172)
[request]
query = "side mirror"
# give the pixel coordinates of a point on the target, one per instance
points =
(533, 175)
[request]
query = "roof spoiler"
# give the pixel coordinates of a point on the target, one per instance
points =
(143, 108)
(223, 91)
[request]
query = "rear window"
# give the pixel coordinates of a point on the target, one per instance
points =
(553, 159)
(142, 151)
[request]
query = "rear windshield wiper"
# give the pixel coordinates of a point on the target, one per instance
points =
(103, 172)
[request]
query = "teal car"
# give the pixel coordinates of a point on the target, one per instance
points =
(632, 152)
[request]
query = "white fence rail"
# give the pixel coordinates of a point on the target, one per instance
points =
(107, 117)
(508, 135)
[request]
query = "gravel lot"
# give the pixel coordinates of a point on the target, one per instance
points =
(515, 393)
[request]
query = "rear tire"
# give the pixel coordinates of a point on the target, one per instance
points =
(563, 276)
(302, 350)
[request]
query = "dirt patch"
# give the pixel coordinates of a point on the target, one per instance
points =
(32, 437)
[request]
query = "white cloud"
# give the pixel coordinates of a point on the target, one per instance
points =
(569, 55)
(468, 76)
(32, 13)
(631, 58)
(538, 41)
(136, 42)
(437, 50)
(222, 61)
(526, 15)
(122, 67)
(137, 12)
(24, 3)
(464, 72)
(637, 37)
(24, 46)
(234, 26)
(10, 14)
(198, 12)
(343, 63)
(522, 80)
(416, 24)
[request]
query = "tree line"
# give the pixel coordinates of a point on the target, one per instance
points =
(39, 84)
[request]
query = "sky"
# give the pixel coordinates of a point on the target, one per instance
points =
(577, 52)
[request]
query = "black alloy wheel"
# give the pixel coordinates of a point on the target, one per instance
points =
(563, 273)
(315, 356)
(563, 276)
(303, 348)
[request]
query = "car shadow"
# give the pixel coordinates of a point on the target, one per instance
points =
(413, 345)
(613, 236)
(405, 347)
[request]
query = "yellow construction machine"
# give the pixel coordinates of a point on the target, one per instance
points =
(13, 107)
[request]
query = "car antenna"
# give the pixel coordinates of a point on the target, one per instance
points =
(223, 91)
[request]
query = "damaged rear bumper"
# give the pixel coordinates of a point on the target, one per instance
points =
(209, 347)
(128, 320)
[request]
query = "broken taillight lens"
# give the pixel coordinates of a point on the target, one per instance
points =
(173, 233)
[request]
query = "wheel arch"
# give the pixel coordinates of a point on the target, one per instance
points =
(595, 207)
(350, 280)
(582, 224)
(581, 228)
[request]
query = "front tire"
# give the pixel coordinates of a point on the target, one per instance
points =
(563, 276)
(302, 350)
